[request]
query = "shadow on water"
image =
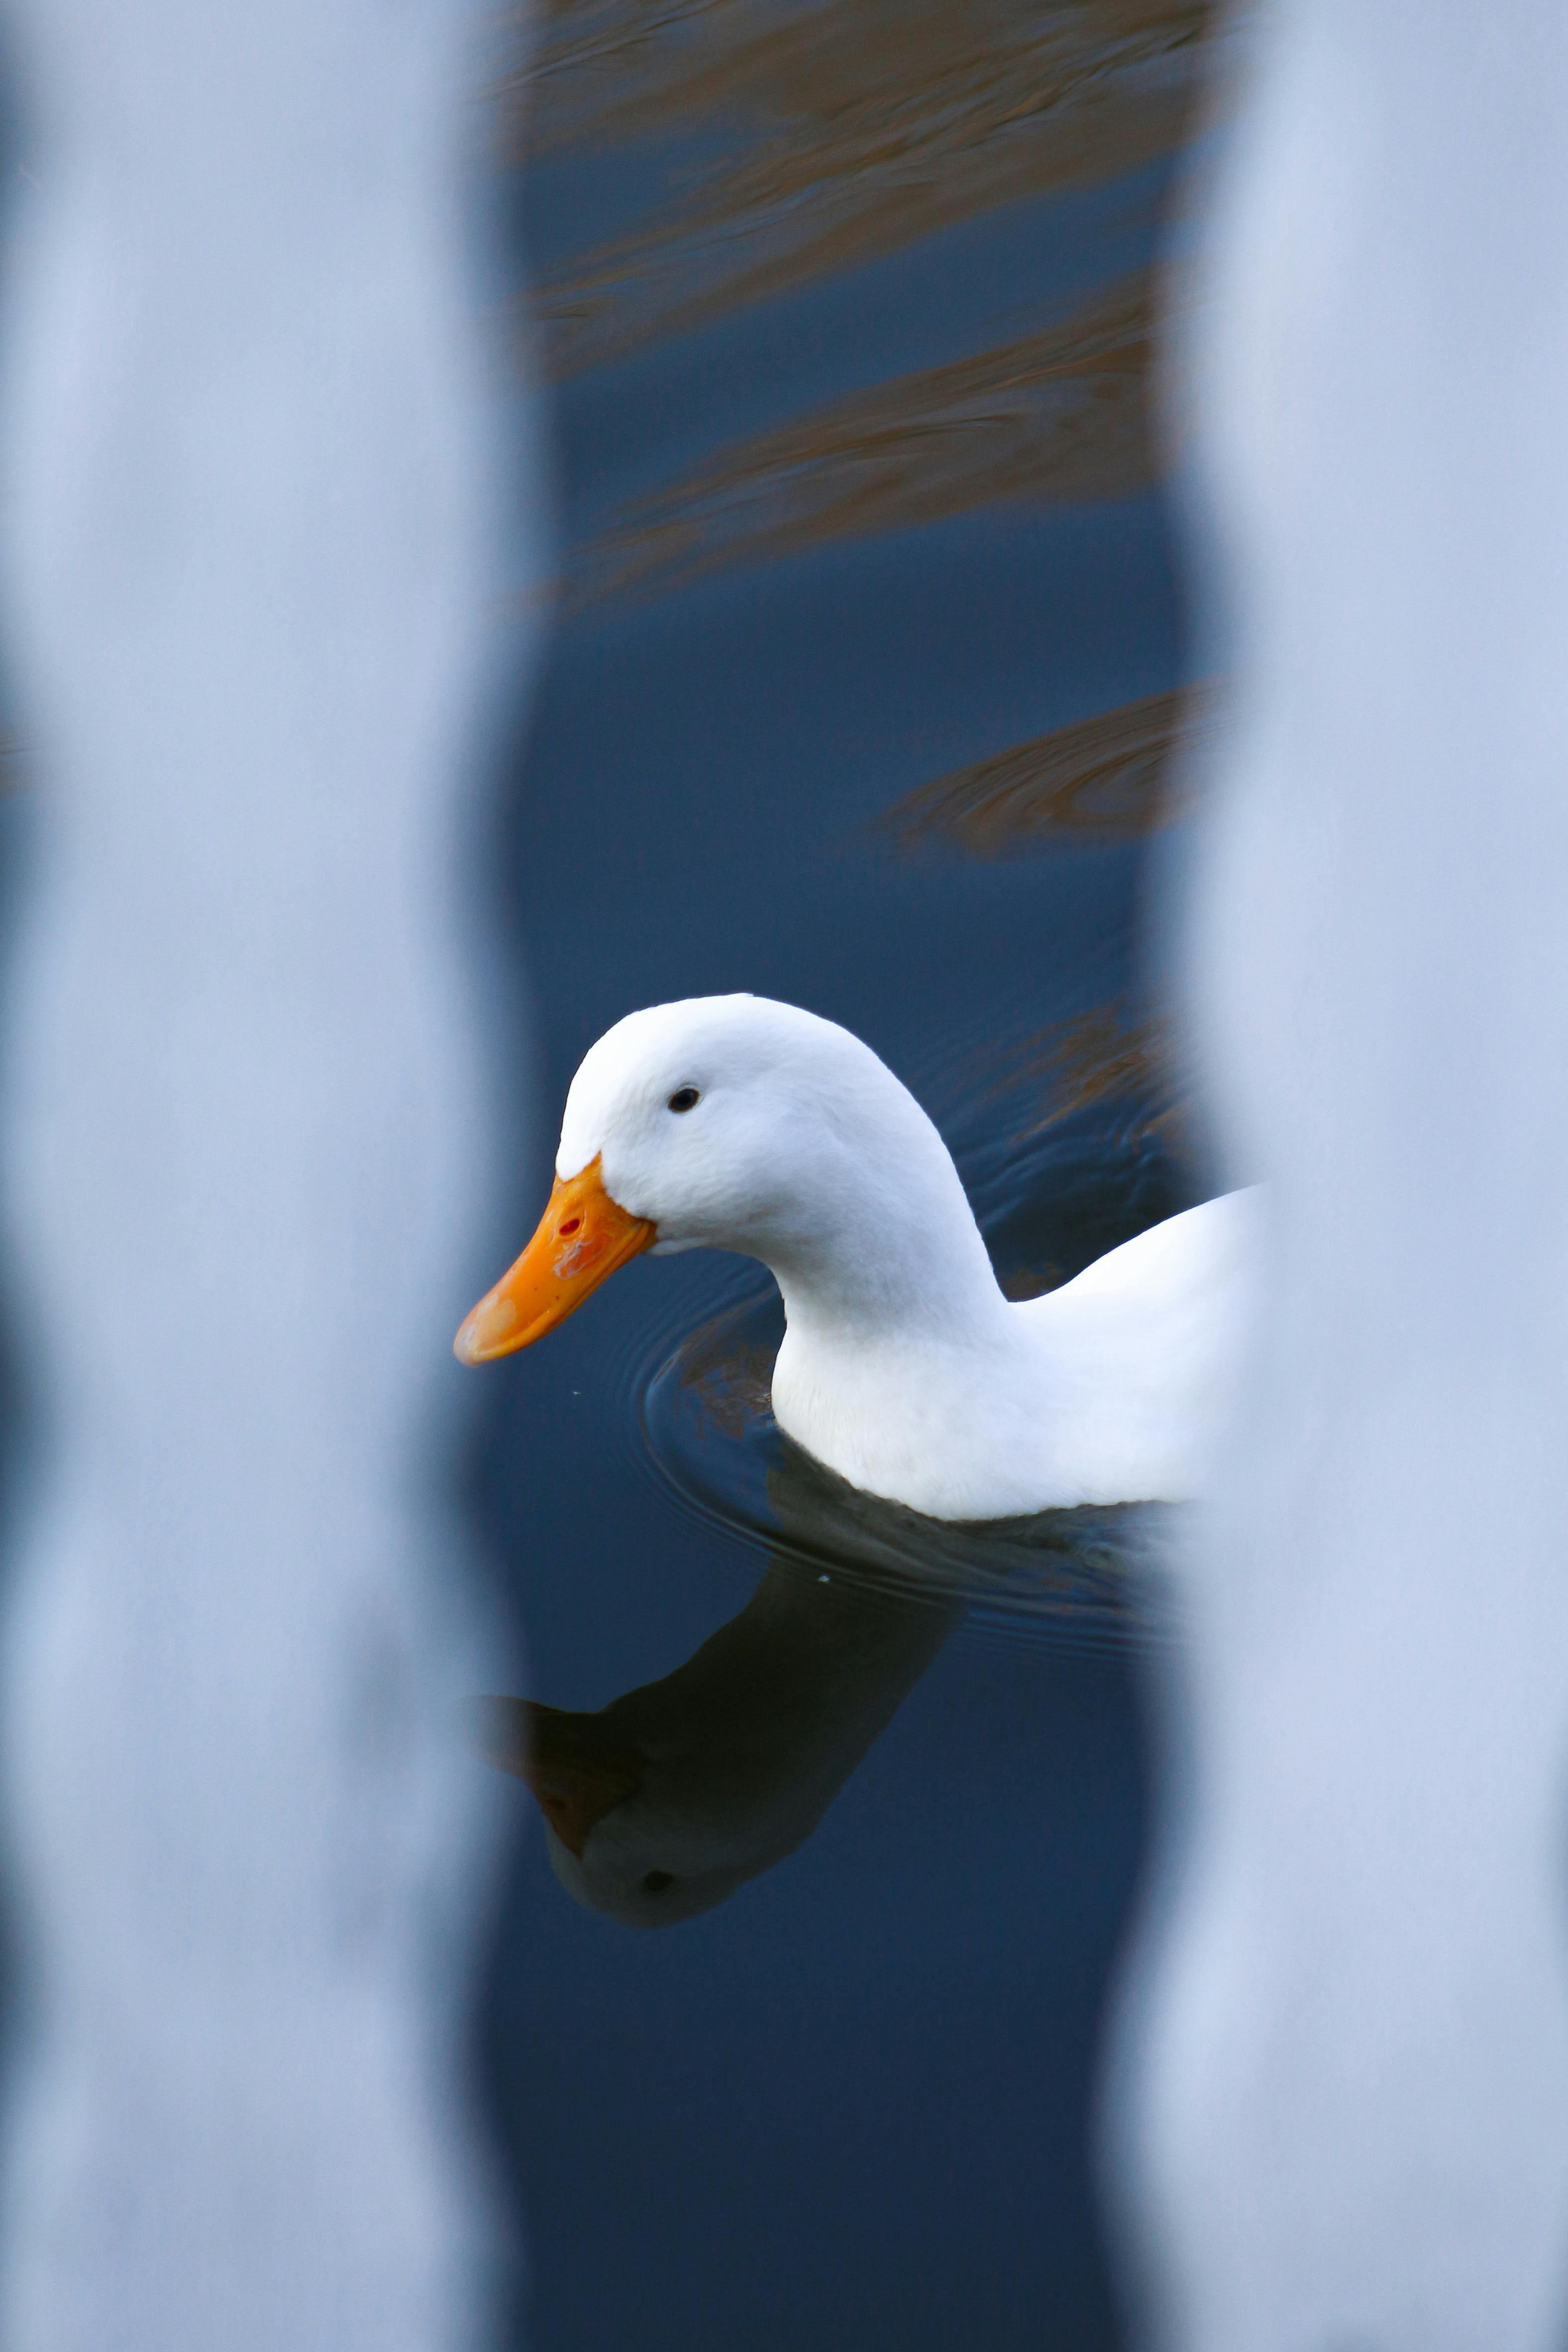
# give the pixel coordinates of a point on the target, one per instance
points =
(665, 1802)
(668, 1800)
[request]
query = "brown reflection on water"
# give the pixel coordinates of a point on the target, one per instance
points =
(1112, 1054)
(1102, 780)
(730, 1382)
(1108, 1055)
(1059, 414)
(837, 133)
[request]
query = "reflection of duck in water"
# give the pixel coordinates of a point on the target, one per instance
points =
(667, 1800)
(732, 1122)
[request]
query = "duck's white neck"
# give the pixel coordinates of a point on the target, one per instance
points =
(880, 1248)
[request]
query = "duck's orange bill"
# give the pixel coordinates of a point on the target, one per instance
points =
(582, 1236)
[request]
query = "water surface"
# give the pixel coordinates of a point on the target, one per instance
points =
(864, 682)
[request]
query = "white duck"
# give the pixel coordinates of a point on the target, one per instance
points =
(733, 1122)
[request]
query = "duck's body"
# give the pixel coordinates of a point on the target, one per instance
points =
(737, 1123)
(1112, 1388)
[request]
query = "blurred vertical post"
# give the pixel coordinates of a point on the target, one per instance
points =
(250, 496)
(1346, 2069)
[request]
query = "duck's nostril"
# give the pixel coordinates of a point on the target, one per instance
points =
(657, 1881)
(569, 1227)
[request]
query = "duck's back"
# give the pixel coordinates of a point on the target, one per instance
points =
(1147, 1345)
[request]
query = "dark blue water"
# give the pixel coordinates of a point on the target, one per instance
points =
(849, 2107)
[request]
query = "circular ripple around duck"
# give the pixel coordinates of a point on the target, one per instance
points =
(1087, 1575)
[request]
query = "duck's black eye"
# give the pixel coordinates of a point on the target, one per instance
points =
(657, 1881)
(684, 1099)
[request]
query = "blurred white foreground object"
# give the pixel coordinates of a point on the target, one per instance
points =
(1346, 2062)
(248, 493)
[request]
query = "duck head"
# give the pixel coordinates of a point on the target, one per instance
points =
(733, 1122)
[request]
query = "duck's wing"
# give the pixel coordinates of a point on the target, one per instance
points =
(1201, 1254)
(1147, 1345)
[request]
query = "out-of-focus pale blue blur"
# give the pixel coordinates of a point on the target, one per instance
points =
(1346, 2056)
(257, 504)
